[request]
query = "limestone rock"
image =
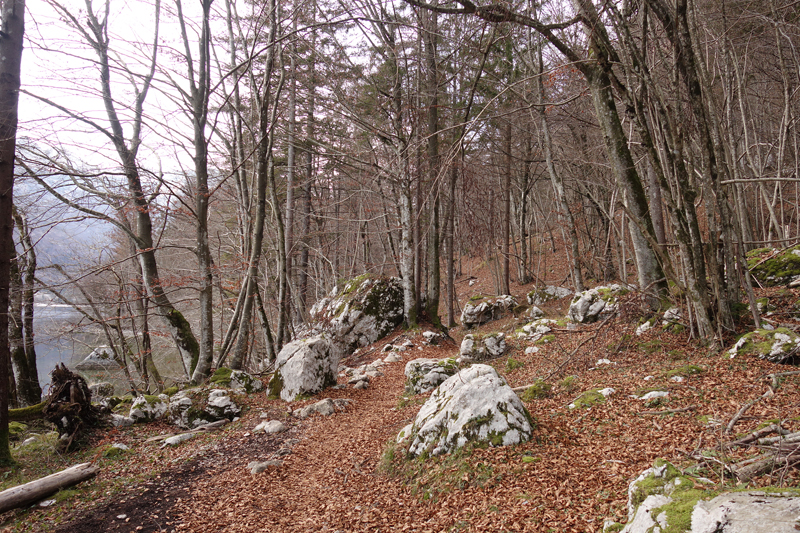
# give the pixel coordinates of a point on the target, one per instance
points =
(237, 379)
(256, 467)
(102, 390)
(550, 292)
(146, 408)
(271, 427)
(592, 305)
(101, 358)
(747, 512)
(221, 406)
(591, 397)
(364, 310)
(305, 366)
(475, 314)
(423, 375)
(534, 312)
(474, 349)
(660, 497)
(777, 345)
(325, 407)
(474, 405)
(776, 268)
(177, 439)
(120, 421)
(193, 408)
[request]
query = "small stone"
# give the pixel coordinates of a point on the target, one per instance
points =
(177, 439)
(531, 349)
(357, 379)
(122, 516)
(256, 467)
(361, 385)
(655, 394)
(601, 362)
(388, 348)
(46, 503)
(677, 379)
(393, 358)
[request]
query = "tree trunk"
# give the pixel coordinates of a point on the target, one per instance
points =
(11, 42)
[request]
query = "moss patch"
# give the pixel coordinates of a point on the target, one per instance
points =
(684, 371)
(222, 377)
(588, 399)
(540, 389)
(777, 270)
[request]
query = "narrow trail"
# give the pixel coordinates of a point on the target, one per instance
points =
(327, 483)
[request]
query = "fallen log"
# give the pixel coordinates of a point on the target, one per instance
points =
(24, 414)
(212, 426)
(39, 489)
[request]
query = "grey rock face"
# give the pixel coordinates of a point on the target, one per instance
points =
(424, 375)
(305, 366)
(550, 292)
(325, 407)
(595, 304)
(474, 349)
(491, 309)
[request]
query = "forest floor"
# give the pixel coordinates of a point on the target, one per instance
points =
(572, 476)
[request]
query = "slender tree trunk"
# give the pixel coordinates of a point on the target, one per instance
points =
(11, 41)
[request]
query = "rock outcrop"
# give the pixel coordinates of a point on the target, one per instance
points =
(364, 310)
(549, 292)
(661, 498)
(595, 304)
(305, 366)
(424, 375)
(482, 310)
(778, 345)
(193, 408)
(772, 267)
(474, 405)
(480, 348)
(237, 380)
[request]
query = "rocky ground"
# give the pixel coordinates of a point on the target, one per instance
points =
(336, 475)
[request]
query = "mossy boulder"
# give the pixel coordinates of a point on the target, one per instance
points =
(486, 310)
(475, 348)
(236, 379)
(16, 430)
(539, 296)
(595, 304)
(475, 405)
(778, 345)
(424, 375)
(663, 499)
(147, 408)
(773, 267)
(192, 408)
(358, 312)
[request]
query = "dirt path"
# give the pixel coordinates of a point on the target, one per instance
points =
(327, 483)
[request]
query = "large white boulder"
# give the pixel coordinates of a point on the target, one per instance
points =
(474, 405)
(479, 312)
(424, 375)
(305, 366)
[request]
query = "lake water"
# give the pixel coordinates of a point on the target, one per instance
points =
(56, 342)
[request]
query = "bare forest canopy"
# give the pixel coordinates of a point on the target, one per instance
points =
(242, 158)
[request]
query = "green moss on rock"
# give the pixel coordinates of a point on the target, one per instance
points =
(222, 377)
(539, 389)
(777, 270)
